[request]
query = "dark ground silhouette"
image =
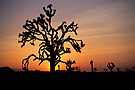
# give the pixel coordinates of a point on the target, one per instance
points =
(63, 80)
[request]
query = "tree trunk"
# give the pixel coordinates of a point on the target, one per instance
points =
(111, 70)
(52, 66)
(53, 58)
(91, 68)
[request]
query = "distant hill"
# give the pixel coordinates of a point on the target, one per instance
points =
(6, 69)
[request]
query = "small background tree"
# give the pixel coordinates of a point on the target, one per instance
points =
(111, 66)
(52, 40)
(68, 65)
(91, 63)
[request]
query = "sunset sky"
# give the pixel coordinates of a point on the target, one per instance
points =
(107, 27)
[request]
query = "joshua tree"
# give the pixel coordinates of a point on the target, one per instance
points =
(51, 40)
(91, 63)
(111, 66)
(68, 65)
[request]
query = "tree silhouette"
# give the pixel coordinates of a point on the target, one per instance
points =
(111, 66)
(91, 63)
(68, 65)
(52, 40)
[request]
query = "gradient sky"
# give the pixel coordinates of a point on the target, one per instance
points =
(106, 26)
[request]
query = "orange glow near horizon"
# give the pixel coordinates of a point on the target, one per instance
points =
(106, 28)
